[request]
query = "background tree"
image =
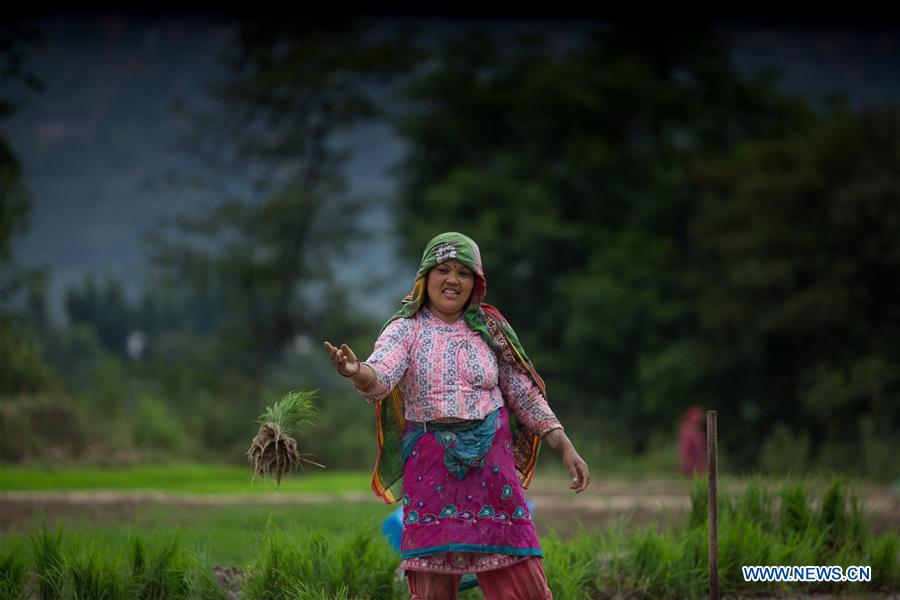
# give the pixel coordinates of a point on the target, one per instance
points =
(265, 144)
(797, 255)
(22, 289)
(571, 160)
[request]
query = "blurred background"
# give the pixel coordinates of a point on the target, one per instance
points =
(669, 217)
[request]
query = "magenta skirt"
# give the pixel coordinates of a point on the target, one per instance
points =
(485, 511)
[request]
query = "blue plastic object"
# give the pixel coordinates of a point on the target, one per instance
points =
(392, 528)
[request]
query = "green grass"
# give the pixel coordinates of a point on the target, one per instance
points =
(348, 560)
(49, 562)
(336, 550)
(185, 478)
(95, 573)
(228, 536)
(763, 524)
(13, 568)
(297, 563)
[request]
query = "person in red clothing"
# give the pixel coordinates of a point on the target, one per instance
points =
(692, 442)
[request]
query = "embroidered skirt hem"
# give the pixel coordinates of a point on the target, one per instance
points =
(460, 563)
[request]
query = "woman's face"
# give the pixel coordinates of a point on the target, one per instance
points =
(449, 286)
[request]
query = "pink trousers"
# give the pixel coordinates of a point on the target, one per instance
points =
(522, 581)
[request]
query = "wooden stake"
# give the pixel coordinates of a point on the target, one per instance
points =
(712, 468)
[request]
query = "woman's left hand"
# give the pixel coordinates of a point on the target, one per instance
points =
(577, 468)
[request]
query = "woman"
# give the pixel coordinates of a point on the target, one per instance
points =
(460, 413)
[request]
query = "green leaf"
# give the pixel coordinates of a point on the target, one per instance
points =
(294, 410)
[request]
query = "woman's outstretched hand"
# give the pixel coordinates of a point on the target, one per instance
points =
(344, 360)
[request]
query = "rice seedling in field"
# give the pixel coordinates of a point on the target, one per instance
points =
(883, 555)
(305, 591)
(159, 569)
(764, 525)
(13, 568)
(94, 574)
(315, 563)
(274, 450)
(571, 565)
(49, 562)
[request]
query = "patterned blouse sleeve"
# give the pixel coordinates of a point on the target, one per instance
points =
(390, 359)
(525, 399)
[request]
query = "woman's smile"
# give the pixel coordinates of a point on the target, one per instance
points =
(449, 287)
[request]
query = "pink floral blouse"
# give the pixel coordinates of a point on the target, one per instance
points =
(449, 371)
